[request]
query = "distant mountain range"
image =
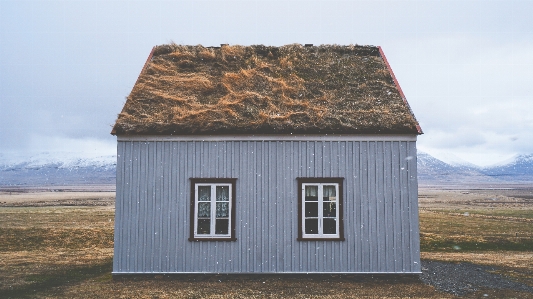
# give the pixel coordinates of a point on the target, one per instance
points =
(56, 169)
(432, 171)
(66, 169)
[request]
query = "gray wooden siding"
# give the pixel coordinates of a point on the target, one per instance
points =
(380, 206)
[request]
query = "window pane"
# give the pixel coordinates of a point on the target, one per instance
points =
(221, 226)
(311, 226)
(311, 209)
(204, 209)
(204, 193)
(330, 226)
(222, 193)
(329, 209)
(204, 226)
(222, 209)
(311, 193)
(330, 194)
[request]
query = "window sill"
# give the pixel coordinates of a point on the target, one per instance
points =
(320, 239)
(212, 239)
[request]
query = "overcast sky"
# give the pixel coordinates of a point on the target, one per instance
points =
(466, 67)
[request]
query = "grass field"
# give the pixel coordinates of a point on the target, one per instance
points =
(65, 251)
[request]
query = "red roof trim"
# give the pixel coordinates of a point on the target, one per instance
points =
(398, 87)
(145, 64)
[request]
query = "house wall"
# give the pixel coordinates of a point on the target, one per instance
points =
(380, 206)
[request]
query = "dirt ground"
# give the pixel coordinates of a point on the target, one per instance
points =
(42, 198)
(518, 199)
(60, 245)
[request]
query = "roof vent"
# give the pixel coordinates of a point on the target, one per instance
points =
(308, 45)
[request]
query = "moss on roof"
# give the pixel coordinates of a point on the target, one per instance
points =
(258, 89)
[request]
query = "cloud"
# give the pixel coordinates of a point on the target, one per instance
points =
(83, 146)
(453, 139)
(472, 95)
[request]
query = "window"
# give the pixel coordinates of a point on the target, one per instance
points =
(320, 209)
(212, 210)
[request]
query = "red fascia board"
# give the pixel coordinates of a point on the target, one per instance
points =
(419, 129)
(113, 132)
(145, 64)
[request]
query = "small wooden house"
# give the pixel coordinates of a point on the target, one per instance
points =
(256, 159)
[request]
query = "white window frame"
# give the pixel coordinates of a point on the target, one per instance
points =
(213, 184)
(320, 183)
(320, 202)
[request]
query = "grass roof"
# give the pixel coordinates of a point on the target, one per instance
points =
(259, 89)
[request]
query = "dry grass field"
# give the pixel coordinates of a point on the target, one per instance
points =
(59, 245)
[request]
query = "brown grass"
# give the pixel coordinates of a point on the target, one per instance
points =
(487, 227)
(258, 89)
(459, 232)
(457, 221)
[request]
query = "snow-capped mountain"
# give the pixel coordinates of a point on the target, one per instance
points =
(432, 171)
(521, 166)
(59, 168)
(453, 160)
(66, 160)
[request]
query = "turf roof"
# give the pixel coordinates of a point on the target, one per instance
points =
(327, 89)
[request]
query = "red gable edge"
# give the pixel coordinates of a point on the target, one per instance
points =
(399, 88)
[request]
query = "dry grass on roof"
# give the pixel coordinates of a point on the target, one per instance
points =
(259, 89)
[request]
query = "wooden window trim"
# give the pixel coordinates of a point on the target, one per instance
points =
(338, 181)
(233, 183)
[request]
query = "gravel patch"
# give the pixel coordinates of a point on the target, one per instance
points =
(462, 278)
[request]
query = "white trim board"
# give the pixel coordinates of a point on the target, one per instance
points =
(284, 137)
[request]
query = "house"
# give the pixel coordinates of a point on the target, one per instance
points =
(257, 159)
